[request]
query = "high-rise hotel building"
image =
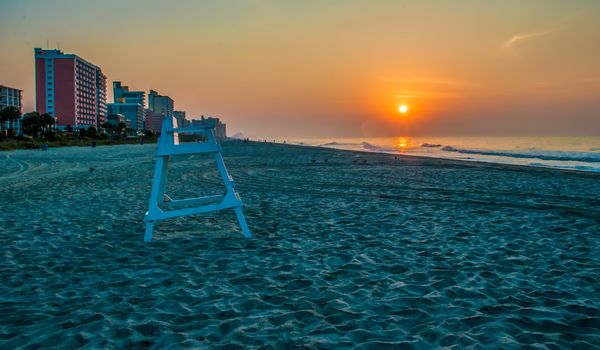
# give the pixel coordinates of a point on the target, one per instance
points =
(128, 103)
(70, 89)
(11, 97)
(160, 104)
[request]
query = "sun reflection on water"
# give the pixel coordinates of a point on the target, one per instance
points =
(402, 144)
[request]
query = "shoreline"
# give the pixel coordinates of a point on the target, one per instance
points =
(466, 162)
(578, 152)
(472, 162)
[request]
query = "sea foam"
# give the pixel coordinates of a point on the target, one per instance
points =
(544, 155)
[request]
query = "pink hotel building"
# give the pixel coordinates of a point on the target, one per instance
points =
(70, 89)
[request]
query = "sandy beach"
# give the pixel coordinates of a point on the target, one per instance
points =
(349, 250)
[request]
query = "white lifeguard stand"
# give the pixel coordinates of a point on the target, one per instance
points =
(161, 206)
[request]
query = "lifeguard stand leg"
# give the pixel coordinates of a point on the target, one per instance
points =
(158, 192)
(228, 182)
(149, 229)
(240, 216)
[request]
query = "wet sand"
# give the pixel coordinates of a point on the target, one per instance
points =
(349, 250)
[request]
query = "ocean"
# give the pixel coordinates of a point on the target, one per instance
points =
(575, 153)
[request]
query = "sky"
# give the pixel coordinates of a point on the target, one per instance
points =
(279, 69)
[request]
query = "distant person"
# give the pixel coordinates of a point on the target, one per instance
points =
(93, 143)
(142, 142)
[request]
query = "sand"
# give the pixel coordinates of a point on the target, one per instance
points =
(349, 250)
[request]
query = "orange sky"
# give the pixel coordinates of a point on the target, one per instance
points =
(334, 68)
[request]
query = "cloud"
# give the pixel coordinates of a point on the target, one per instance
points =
(520, 38)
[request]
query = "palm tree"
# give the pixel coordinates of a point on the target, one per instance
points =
(32, 123)
(8, 114)
(121, 128)
(47, 121)
(108, 127)
(91, 132)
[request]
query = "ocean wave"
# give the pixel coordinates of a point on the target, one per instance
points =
(370, 147)
(544, 155)
(432, 145)
(340, 144)
(567, 167)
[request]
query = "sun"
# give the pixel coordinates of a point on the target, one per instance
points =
(403, 109)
